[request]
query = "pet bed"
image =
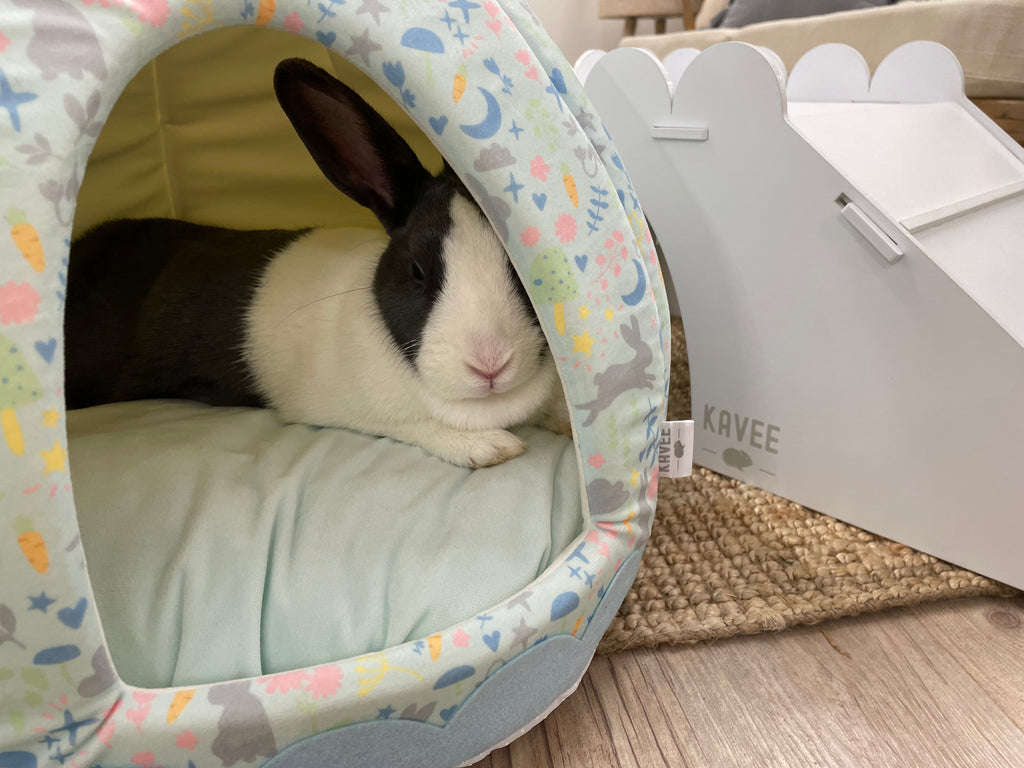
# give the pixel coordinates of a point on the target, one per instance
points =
(435, 681)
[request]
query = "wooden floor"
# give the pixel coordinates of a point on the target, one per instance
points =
(934, 686)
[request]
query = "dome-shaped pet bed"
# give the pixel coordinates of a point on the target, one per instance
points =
(448, 682)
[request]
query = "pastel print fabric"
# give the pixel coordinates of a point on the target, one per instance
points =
(484, 81)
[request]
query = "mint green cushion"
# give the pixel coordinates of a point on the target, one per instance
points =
(223, 544)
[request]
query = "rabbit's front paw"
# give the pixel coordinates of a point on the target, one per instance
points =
(474, 449)
(491, 447)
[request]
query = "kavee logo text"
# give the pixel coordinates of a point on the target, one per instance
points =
(743, 429)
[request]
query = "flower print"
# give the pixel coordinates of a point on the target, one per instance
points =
(565, 228)
(19, 303)
(539, 169)
(325, 683)
(152, 12)
(286, 681)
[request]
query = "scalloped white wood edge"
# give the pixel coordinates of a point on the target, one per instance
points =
(840, 309)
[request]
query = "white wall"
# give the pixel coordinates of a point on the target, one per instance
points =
(574, 25)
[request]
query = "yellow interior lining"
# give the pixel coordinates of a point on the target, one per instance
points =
(198, 135)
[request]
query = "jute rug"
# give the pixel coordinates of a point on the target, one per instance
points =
(726, 558)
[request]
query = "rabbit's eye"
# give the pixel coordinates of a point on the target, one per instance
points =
(417, 272)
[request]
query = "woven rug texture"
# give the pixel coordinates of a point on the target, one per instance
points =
(727, 558)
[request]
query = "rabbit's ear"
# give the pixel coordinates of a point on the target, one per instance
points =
(630, 333)
(357, 150)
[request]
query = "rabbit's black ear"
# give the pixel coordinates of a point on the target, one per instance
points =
(357, 150)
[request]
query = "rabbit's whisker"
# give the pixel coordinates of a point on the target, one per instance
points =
(325, 298)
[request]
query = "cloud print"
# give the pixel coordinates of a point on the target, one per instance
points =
(493, 157)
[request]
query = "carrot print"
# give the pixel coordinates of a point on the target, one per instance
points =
(265, 12)
(458, 87)
(570, 186)
(32, 545)
(434, 643)
(178, 704)
(12, 431)
(26, 238)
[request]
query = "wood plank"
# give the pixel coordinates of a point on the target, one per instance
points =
(1008, 114)
(617, 9)
(987, 639)
(578, 737)
(1008, 109)
(648, 730)
(942, 683)
(915, 695)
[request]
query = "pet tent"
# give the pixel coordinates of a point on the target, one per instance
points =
(470, 74)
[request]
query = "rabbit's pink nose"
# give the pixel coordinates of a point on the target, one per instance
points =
(488, 372)
(488, 367)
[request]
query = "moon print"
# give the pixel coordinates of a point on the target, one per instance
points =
(490, 124)
(637, 294)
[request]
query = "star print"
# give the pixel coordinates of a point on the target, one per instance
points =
(362, 46)
(515, 130)
(49, 741)
(71, 726)
(54, 458)
(575, 572)
(41, 602)
(584, 312)
(375, 8)
(590, 579)
(11, 99)
(635, 478)
(583, 343)
(578, 553)
(448, 19)
(465, 6)
(523, 634)
(608, 314)
(521, 600)
(384, 714)
(514, 187)
(461, 36)
(51, 417)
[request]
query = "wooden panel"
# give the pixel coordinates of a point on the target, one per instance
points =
(618, 9)
(1008, 114)
(659, 10)
(941, 683)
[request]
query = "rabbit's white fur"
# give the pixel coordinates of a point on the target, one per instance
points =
(322, 354)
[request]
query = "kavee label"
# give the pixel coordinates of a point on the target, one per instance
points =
(675, 449)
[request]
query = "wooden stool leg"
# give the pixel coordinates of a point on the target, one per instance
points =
(690, 14)
(659, 25)
(630, 26)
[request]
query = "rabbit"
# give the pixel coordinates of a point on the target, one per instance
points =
(619, 378)
(422, 333)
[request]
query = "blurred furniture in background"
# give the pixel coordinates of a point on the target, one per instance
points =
(985, 35)
(659, 10)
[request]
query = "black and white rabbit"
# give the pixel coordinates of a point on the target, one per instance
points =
(424, 334)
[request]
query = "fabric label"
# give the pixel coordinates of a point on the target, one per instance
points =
(675, 449)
